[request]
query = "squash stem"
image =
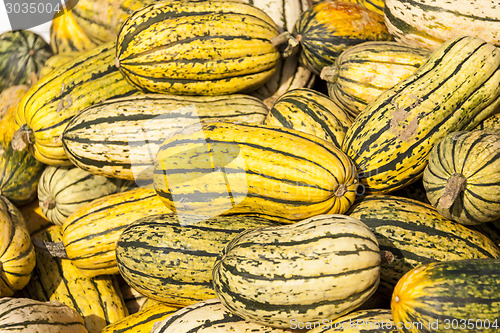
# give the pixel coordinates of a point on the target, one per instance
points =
(22, 138)
(48, 203)
(292, 46)
(55, 249)
(329, 73)
(454, 186)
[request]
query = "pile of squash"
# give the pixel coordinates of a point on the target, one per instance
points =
(252, 166)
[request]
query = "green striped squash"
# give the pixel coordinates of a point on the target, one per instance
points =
(97, 300)
(17, 255)
(197, 47)
(364, 71)
(312, 112)
(63, 190)
(90, 233)
(120, 137)
(210, 316)
(490, 123)
(391, 139)
(227, 168)
(22, 55)
(172, 263)
(449, 296)
(415, 234)
(47, 107)
(317, 269)
(359, 321)
(329, 27)
(428, 24)
(141, 321)
(462, 178)
(25, 315)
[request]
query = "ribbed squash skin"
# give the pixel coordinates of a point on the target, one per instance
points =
(97, 300)
(451, 296)
(311, 112)
(391, 139)
(428, 24)
(490, 123)
(90, 233)
(141, 321)
(67, 36)
(415, 233)
(227, 168)
(360, 321)
(58, 60)
(462, 178)
(364, 71)
(23, 54)
(25, 315)
(45, 110)
(17, 255)
(63, 190)
(329, 27)
(316, 269)
(197, 48)
(19, 170)
(120, 137)
(210, 316)
(172, 263)
(376, 6)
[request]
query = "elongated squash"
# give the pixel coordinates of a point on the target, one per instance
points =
(364, 71)
(209, 316)
(462, 178)
(17, 255)
(391, 139)
(415, 233)
(316, 269)
(428, 24)
(197, 48)
(172, 263)
(120, 137)
(97, 300)
(67, 36)
(45, 110)
(226, 168)
(25, 315)
(449, 296)
(490, 123)
(90, 233)
(311, 112)
(63, 190)
(141, 321)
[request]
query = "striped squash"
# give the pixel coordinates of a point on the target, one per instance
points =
(19, 170)
(462, 178)
(24, 315)
(63, 190)
(391, 139)
(317, 269)
(22, 55)
(17, 255)
(141, 321)
(134, 300)
(364, 71)
(451, 296)
(312, 112)
(209, 316)
(491, 230)
(58, 60)
(90, 234)
(33, 217)
(490, 123)
(172, 262)
(364, 321)
(415, 233)
(47, 107)
(428, 24)
(197, 47)
(97, 300)
(120, 137)
(227, 168)
(376, 6)
(329, 27)
(67, 36)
